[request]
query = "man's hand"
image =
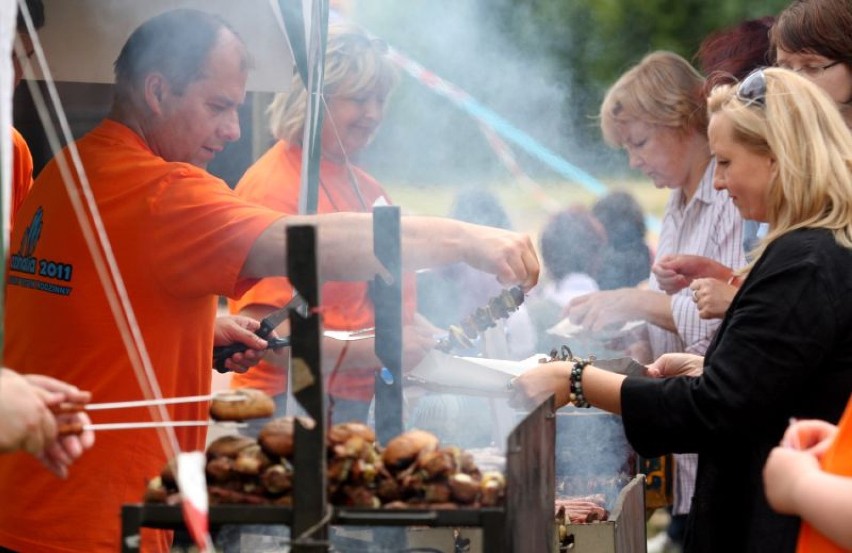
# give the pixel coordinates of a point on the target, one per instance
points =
(676, 272)
(509, 255)
(27, 422)
(712, 297)
(676, 364)
(232, 329)
(418, 339)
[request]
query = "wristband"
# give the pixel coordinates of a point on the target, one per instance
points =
(577, 398)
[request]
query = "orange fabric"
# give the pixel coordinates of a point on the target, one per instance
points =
(274, 181)
(180, 238)
(22, 172)
(837, 460)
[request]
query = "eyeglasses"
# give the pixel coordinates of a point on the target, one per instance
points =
(753, 89)
(811, 71)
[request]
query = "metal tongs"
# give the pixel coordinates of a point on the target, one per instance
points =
(267, 325)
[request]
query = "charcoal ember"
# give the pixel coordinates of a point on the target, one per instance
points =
(464, 488)
(251, 460)
(341, 433)
(402, 450)
(220, 470)
(228, 446)
(277, 479)
(220, 495)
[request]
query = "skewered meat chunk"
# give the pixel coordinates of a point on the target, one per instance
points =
(483, 318)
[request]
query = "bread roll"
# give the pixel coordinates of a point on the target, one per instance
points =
(241, 404)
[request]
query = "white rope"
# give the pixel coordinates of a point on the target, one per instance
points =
(96, 237)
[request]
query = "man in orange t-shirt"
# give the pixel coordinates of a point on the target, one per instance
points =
(179, 237)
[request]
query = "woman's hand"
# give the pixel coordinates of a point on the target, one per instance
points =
(676, 272)
(712, 297)
(785, 477)
(676, 364)
(536, 384)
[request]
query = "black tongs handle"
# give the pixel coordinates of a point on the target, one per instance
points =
(222, 353)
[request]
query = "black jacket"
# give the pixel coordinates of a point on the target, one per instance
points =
(783, 350)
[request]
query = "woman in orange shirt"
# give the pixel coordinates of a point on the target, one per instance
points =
(358, 79)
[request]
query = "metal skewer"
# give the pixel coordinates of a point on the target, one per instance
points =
(77, 407)
(77, 428)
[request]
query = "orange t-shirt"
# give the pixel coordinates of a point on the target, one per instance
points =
(22, 172)
(274, 181)
(837, 460)
(180, 237)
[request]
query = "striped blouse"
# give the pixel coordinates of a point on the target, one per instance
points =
(709, 226)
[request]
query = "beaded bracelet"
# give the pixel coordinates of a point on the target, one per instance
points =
(577, 397)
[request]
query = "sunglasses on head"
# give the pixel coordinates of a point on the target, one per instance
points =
(752, 90)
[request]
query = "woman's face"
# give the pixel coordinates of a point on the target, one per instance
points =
(661, 153)
(836, 80)
(746, 175)
(354, 118)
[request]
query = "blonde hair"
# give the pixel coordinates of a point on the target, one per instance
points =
(663, 89)
(353, 60)
(801, 128)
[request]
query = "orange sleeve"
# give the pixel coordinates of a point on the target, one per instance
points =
(22, 172)
(210, 232)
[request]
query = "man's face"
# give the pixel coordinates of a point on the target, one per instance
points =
(27, 44)
(195, 125)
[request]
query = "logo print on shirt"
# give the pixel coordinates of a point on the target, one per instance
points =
(25, 262)
(31, 235)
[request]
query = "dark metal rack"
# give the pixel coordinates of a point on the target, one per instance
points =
(523, 523)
